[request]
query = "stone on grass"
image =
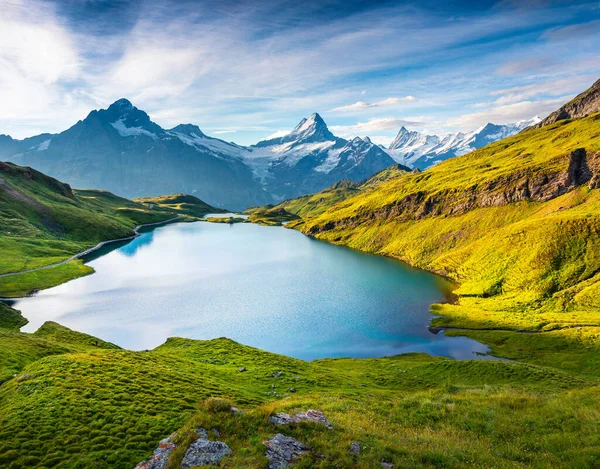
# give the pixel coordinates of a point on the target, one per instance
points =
(282, 450)
(292, 389)
(160, 458)
(355, 448)
(387, 465)
(242, 369)
(203, 452)
(277, 374)
(311, 415)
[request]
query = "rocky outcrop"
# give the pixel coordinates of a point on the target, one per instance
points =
(584, 104)
(582, 167)
(203, 452)
(282, 450)
(310, 415)
(160, 458)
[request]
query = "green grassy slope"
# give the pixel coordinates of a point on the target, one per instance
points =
(109, 408)
(182, 204)
(516, 224)
(43, 221)
(315, 204)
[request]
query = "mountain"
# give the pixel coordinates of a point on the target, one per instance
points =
(421, 151)
(120, 149)
(582, 105)
(311, 158)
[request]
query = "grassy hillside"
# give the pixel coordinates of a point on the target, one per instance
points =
(96, 407)
(516, 224)
(181, 203)
(315, 204)
(43, 221)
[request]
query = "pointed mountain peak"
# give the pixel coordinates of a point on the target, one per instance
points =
(312, 129)
(403, 137)
(190, 130)
(122, 105)
(126, 119)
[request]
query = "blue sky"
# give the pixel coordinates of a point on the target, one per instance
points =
(244, 70)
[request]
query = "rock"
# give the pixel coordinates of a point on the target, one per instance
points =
(282, 450)
(282, 418)
(386, 465)
(292, 389)
(25, 377)
(314, 416)
(242, 369)
(310, 415)
(204, 452)
(277, 374)
(355, 448)
(160, 458)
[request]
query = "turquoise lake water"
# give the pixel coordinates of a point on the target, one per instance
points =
(268, 287)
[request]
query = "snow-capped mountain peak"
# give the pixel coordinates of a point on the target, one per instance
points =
(190, 130)
(311, 130)
(417, 150)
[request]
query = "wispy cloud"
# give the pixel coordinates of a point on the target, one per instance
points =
(374, 125)
(361, 105)
(504, 114)
(258, 66)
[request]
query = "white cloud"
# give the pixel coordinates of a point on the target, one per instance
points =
(373, 125)
(548, 88)
(277, 134)
(507, 113)
(361, 105)
(38, 58)
(384, 140)
(358, 106)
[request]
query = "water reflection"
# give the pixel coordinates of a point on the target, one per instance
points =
(268, 287)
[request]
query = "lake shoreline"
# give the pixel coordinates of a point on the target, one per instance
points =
(92, 249)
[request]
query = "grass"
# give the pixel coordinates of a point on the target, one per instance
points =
(181, 203)
(97, 407)
(270, 215)
(43, 221)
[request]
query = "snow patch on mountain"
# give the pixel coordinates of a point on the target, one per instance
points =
(44, 145)
(125, 131)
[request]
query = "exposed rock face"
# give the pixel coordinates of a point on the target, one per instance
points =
(584, 104)
(355, 448)
(310, 415)
(160, 458)
(583, 167)
(282, 450)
